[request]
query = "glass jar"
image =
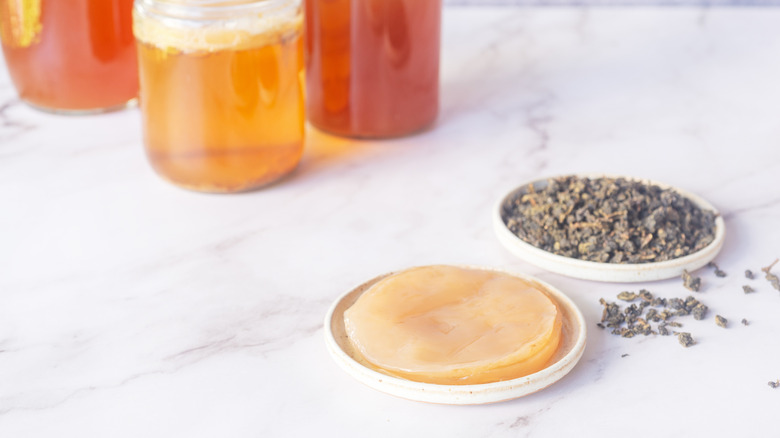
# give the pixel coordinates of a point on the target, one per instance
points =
(372, 66)
(75, 56)
(221, 90)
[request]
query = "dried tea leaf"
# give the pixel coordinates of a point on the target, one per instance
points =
(691, 282)
(642, 327)
(747, 289)
(721, 321)
(626, 296)
(699, 312)
(775, 384)
(612, 314)
(749, 274)
(685, 339)
(745, 322)
(682, 312)
(718, 272)
(652, 315)
(676, 304)
(772, 278)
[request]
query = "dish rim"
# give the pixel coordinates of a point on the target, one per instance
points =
(608, 272)
(460, 394)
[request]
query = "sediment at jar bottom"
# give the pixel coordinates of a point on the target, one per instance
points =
(227, 172)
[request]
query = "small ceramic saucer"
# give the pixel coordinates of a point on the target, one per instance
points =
(570, 351)
(611, 272)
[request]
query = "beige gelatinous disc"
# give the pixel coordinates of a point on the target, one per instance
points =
(610, 272)
(567, 356)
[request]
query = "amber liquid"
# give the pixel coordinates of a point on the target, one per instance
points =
(372, 65)
(83, 58)
(223, 121)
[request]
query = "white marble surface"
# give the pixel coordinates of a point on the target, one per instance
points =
(611, 3)
(131, 308)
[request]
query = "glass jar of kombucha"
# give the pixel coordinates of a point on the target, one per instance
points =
(73, 56)
(221, 90)
(372, 66)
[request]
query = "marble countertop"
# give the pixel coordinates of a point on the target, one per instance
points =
(131, 308)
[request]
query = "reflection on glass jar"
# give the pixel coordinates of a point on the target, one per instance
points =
(221, 91)
(372, 65)
(70, 56)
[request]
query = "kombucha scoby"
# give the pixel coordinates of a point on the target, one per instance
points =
(222, 104)
(451, 325)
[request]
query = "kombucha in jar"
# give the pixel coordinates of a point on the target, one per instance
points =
(73, 56)
(372, 66)
(221, 90)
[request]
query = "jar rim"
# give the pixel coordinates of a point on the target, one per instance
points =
(212, 9)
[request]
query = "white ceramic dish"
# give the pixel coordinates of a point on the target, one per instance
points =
(611, 272)
(571, 350)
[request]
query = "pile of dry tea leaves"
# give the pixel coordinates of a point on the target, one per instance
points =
(651, 316)
(655, 316)
(609, 220)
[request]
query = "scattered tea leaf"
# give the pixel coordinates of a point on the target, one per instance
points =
(749, 274)
(691, 282)
(627, 296)
(659, 302)
(721, 321)
(745, 322)
(747, 289)
(685, 339)
(653, 315)
(718, 271)
(772, 278)
(699, 311)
